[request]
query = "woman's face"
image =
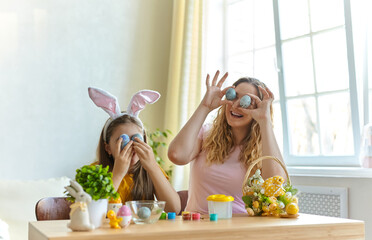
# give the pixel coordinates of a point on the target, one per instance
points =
(234, 115)
(128, 128)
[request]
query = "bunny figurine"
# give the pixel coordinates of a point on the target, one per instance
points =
(79, 214)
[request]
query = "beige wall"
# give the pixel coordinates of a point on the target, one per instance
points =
(50, 53)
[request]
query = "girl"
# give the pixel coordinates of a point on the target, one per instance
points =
(220, 154)
(136, 174)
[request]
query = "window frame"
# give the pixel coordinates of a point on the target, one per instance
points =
(315, 160)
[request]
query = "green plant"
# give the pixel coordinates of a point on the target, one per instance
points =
(96, 181)
(156, 140)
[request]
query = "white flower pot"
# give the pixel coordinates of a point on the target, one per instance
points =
(97, 211)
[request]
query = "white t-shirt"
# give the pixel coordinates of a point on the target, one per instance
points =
(226, 178)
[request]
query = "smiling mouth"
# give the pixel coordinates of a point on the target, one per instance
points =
(234, 114)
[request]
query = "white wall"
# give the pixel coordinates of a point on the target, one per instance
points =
(50, 52)
(359, 191)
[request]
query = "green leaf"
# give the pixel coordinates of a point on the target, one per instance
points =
(247, 200)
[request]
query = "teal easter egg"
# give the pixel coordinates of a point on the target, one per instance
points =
(245, 101)
(144, 213)
(137, 135)
(230, 94)
(125, 141)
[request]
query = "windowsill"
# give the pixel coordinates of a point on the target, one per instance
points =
(344, 172)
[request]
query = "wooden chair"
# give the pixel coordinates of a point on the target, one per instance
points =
(52, 208)
(184, 195)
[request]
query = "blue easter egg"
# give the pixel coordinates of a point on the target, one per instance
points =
(144, 213)
(138, 136)
(230, 94)
(125, 141)
(245, 101)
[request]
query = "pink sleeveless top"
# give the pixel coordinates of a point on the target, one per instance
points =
(226, 178)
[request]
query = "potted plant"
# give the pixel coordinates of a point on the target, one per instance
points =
(97, 182)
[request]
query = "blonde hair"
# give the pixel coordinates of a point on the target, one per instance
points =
(219, 143)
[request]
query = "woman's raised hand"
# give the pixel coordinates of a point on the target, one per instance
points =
(262, 111)
(213, 97)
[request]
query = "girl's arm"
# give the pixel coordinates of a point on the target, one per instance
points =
(270, 146)
(186, 145)
(122, 162)
(163, 189)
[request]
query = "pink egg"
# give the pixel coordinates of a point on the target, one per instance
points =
(124, 211)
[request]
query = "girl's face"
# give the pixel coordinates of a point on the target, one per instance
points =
(128, 128)
(234, 113)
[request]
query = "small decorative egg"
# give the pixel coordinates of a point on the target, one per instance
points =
(230, 94)
(292, 208)
(144, 213)
(245, 101)
(125, 141)
(137, 135)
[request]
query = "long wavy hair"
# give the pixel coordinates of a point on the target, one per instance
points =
(143, 187)
(219, 143)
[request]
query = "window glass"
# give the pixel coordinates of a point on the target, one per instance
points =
(320, 14)
(331, 61)
(294, 20)
(278, 124)
(239, 27)
(298, 67)
(264, 32)
(265, 69)
(240, 66)
(302, 126)
(335, 124)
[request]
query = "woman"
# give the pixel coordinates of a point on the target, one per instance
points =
(220, 154)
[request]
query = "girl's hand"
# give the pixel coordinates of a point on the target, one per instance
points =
(122, 158)
(261, 108)
(145, 154)
(213, 97)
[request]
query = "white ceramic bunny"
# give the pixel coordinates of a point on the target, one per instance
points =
(79, 214)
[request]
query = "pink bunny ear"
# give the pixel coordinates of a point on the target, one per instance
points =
(106, 101)
(140, 99)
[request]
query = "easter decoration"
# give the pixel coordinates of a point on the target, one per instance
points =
(114, 204)
(230, 94)
(114, 221)
(97, 182)
(270, 197)
(79, 215)
(125, 214)
(245, 101)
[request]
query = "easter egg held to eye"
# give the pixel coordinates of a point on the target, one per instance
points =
(125, 141)
(230, 94)
(137, 135)
(144, 213)
(245, 101)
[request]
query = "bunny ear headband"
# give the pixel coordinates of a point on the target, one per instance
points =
(109, 104)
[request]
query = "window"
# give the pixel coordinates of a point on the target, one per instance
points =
(303, 50)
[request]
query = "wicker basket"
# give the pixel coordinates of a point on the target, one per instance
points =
(269, 197)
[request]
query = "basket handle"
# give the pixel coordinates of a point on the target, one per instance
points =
(261, 159)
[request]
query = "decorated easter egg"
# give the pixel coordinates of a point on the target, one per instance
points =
(125, 141)
(230, 94)
(273, 186)
(137, 135)
(245, 101)
(144, 213)
(124, 211)
(292, 208)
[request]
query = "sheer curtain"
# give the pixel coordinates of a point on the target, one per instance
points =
(184, 78)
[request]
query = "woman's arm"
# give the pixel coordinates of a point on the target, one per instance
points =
(270, 146)
(186, 145)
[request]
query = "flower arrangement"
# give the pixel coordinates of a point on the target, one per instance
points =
(271, 197)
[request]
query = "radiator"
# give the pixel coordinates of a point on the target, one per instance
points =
(325, 201)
